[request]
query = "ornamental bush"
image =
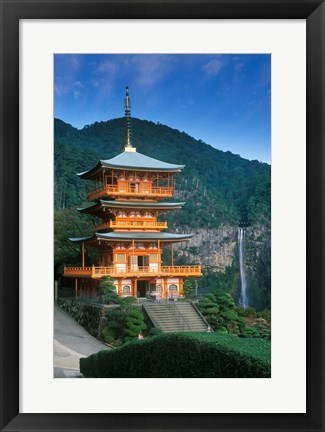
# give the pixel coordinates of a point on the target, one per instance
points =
(183, 355)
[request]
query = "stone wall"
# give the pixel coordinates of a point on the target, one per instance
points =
(92, 317)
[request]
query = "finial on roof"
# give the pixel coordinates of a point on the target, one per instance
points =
(128, 128)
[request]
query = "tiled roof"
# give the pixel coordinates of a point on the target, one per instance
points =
(134, 160)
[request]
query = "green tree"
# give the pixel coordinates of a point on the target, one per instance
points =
(188, 289)
(107, 291)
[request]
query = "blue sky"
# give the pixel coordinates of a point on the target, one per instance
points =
(224, 99)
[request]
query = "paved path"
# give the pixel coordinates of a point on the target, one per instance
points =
(71, 341)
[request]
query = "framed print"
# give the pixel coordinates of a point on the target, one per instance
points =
(34, 36)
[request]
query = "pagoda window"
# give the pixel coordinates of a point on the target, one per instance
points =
(134, 186)
(158, 288)
(120, 258)
(146, 187)
(143, 260)
(126, 289)
(173, 287)
(153, 258)
(122, 186)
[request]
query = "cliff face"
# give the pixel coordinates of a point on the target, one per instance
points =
(217, 248)
(211, 247)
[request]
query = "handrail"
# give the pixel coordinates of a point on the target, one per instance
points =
(199, 312)
(175, 309)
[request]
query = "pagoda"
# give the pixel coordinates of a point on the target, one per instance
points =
(129, 192)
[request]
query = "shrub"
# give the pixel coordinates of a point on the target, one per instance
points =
(134, 324)
(185, 355)
(107, 291)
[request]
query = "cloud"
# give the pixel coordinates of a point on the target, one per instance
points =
(70, 62)
(76, 94)
(60, 89)
(107, 67)
(213, 67)
(150, 69)
(79, 85)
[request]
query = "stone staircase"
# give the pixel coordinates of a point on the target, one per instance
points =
(175, 317)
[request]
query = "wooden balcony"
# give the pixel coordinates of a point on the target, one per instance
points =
(98, 272)
(132, 225)
(133, 191)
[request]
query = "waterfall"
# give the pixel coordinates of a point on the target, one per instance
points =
(243, 301)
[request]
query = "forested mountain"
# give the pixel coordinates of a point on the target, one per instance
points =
(220, 189)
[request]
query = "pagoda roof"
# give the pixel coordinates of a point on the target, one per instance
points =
(144, 236)
(132, 204)
(132, 160)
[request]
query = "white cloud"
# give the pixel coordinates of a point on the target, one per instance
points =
(107, 67)
(213, 67)
(60, 89)
(150, 69)
(79, 85)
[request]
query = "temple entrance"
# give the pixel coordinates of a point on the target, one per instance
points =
(143, 288)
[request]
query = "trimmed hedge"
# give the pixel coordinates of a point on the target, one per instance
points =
(183, 355)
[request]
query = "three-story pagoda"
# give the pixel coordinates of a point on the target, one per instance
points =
(129, 193)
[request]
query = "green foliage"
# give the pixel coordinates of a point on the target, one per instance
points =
(265, 314)
(124, 322)
(155, 331)
(134, 325)
(69, 223)
(224, 316)
(107, 291)
(186, 355)
(188, 288)
(69, 190)
(218, 187)
(245, 312)
(260, 277)
(108, 335)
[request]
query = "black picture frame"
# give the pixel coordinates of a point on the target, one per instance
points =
(11, 12)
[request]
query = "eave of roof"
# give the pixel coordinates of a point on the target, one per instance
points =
(81, 239)
(132, 204)
(144, 236)
(133, 161)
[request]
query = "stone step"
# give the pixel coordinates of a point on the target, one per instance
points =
(177, 317)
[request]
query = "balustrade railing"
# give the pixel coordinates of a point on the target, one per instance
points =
(133, 271)
(131, 224)
(140, 190)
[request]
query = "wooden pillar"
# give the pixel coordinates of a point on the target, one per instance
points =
(136, 288)
(83, 254)
(181, 285)
(173, 256)
(76, 289)
(133, 255)
(159, 258)
(119, 287)
(165, 288)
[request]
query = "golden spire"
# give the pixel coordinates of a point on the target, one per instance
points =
(128, 129)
